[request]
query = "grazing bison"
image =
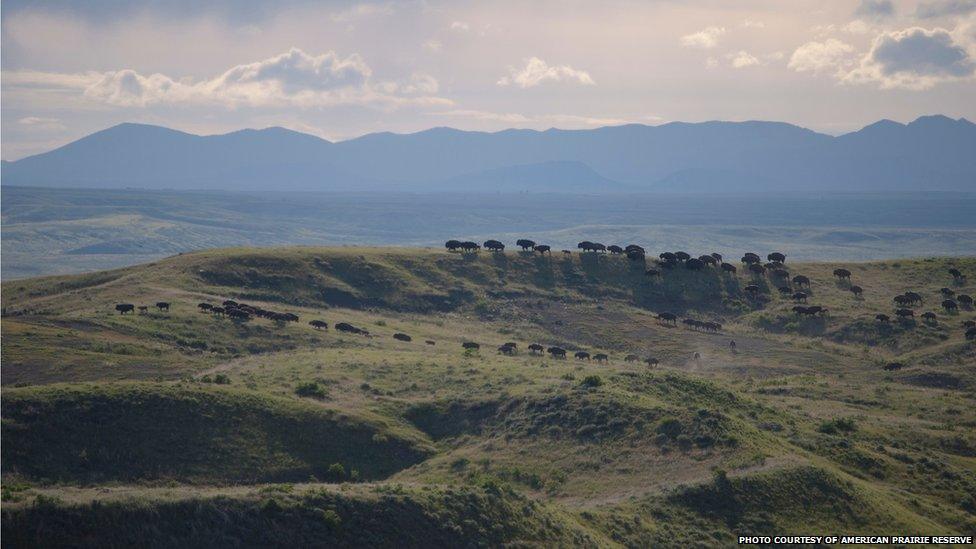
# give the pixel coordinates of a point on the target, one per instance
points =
(204, 307)
(635, 255)
(799, 310)
(219, 311)
(949, 305)
(947, 292)
(842, 274)
(971, 334)
(785, 290)
(601, 357)
(349, 328)
(694, 264)
(801, 281)
(468, 246)
(956, 274)
(777, 257)
(567, 252)
(751, 258)
(506, 350)
(535, 348)
(682, 256)
(452, 245)
(123, 308)
(319, 324)
(635, 248)
(708, 260)
(430, 342)
(668, 317)
(402, 337)
(162, 306)
(752, 290)
(238, 314)
(965, 300)
(882, 317)
(913, 297)
(905, 313)
(588, 246)
(732, 345)
(229, 303)
(651, 361)
(857, 291)
(494, 246)
(470, 345)
(757, 269)
(631, 358)
(543, 249)
(729, 268)
(892, 366)
(525, 244)
(614, 249)
(799, 297)
(929, 316)
(717, 256)
(582, 355)
(556, 352)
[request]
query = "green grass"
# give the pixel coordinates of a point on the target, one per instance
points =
(800, 405)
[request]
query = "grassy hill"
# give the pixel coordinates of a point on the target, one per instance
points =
(798, 427)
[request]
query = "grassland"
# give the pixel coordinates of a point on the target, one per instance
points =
(176, 417)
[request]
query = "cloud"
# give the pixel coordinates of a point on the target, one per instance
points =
(536, 71)
(942, 8)
(460, 26)
(742, 59)
(293, 78)
(433, 45)
(705, 38)
(816, 57)
(361, 11)
(750, 24)
(914, 58)
(875, 9)
(522, 119)
(37, 123)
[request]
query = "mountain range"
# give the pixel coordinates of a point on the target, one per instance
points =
(930, 153)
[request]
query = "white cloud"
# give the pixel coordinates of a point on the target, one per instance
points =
(711, 63)
(39, 123)
(742, 59)
(433, 45)
(361, 11)
(523, 120)
(857, 26)
(750, 24)
(293, 78)
(914, 58)
(460, 26)
(536, 71)
(705, 38)
(816, 57)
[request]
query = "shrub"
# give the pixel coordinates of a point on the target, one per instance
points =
(336, 471)
(592, 381)
(310, 389)
(834, 426)
(221, 379)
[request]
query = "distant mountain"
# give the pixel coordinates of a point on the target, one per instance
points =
(933, 152)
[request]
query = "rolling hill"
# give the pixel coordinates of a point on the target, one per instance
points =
(933, 152)
(183, 424)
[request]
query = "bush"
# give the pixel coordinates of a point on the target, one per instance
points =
(336, 472)
(221, 379)
(310, 389)
(834, 426)
(592, 381)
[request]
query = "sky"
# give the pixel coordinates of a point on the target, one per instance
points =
(341, 69)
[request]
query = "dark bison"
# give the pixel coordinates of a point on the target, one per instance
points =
(882, 317)
(402, 337)
(543, 249)
(162, 306)
(777, 257)
(668, 257)
(319, 324)
(535, 348)
(682, 256)
(582, 355)
(469, 345)
(506, 350)
(956, 274)
(494, 246)
(842, 274)
(801, 281)
(857, 291)
(635, 255)
(601, 357)
(631, 358)
(694, 264)
(949, 305)
(929, 316)
(799, 296)
(905, 313)
(971, 334)
(708, 260)
(651, 361)
(238, 314)
(752, 290)
(947, 292)
(430, 342)
(913, 297)
(556, 352)
(230, 303)
(635, 248)
(123, 308)
(452, 245)
(614, 249)
(668, 317)
(729, 268)
(348, 328)
(892, 366)
(965, 300)
(468, 246)
(751, 258)
(757, 269)
(204, 307)
(525, 244)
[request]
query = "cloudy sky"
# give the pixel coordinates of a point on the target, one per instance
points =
(341, 69)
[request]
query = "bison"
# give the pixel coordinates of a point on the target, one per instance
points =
(668, 317)
(729, 268)
(525, 244)
(601, 357)
(857, 291)
(506, 350)
(947, 292)
(892, 366)
(842, 274)
(956, 274)
(402, 337)
(319, 324)
(682, 256)
(799, 297)
(348, 328)
(949, 305)
(694, 264)
(162, 306)
(882, 317)
(751, 258)
(801, 281)
(635, 255)
(757, 269)
(470, 345)
(452, 245)
(651, 361)
(631, 358)
(556, 352)
(543, 249)
(905, 313)
(430, 342)
(929, 316)
(777, 257)
(204, 307)
(965, 300)
(535, 348)
(582, 355)
(614, 249)
(123, 308)
(494, 246)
